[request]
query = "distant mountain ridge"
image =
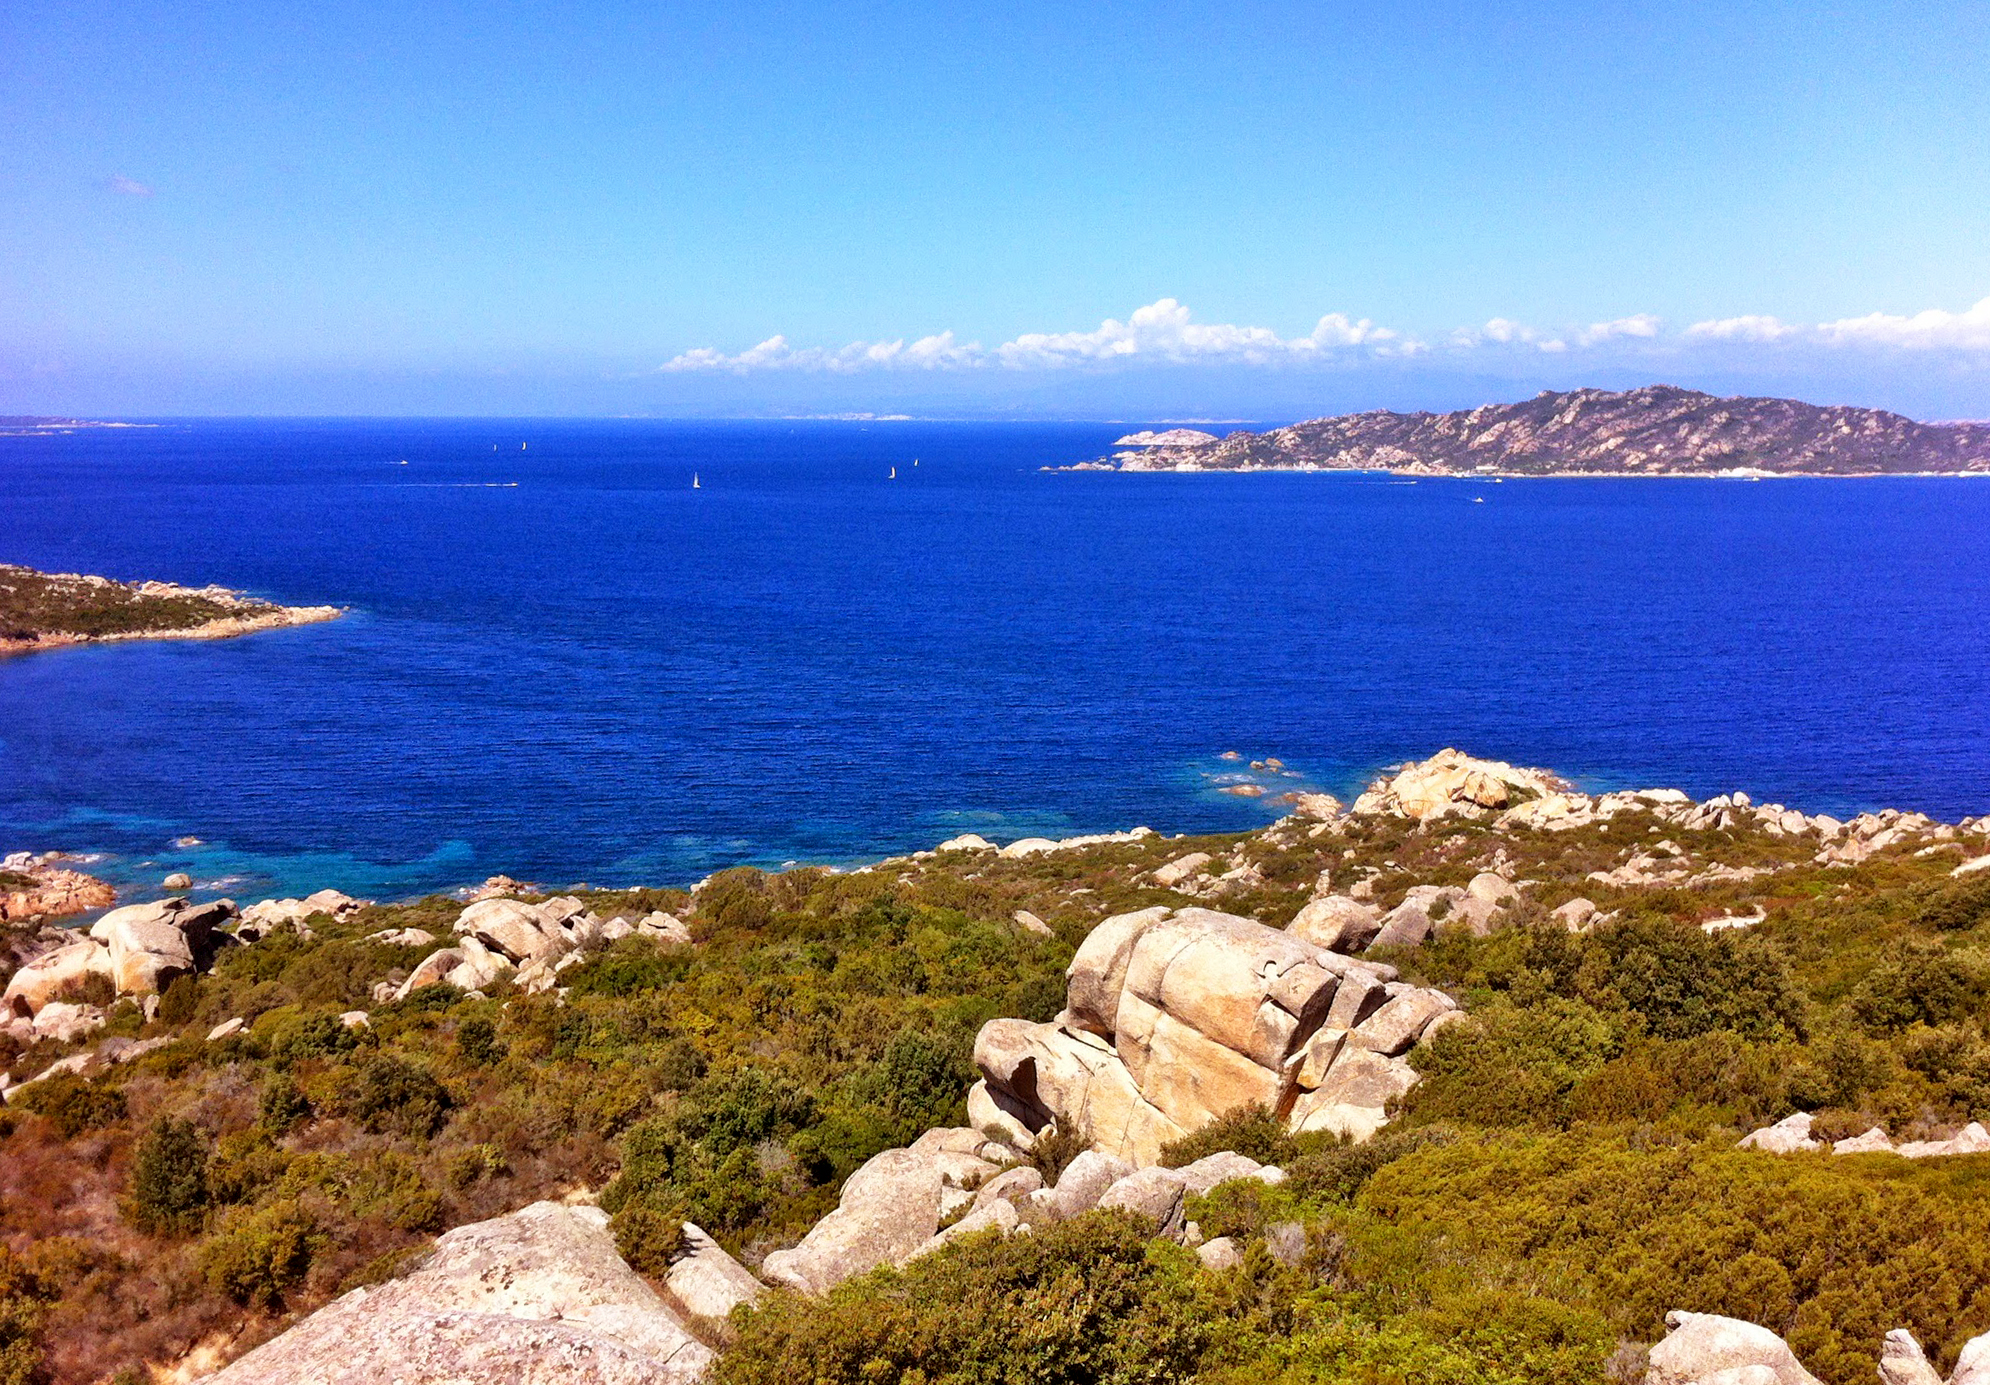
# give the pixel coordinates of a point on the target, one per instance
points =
(1658, 430)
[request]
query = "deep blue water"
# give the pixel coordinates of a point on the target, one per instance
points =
(601, 674)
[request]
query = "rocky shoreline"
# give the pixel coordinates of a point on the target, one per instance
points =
(42, 611)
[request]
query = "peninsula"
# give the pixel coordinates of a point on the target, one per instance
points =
(1659, 430)
(46, 610)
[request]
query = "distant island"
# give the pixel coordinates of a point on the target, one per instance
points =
(36, 426)
(1659, 430)
(44, 610)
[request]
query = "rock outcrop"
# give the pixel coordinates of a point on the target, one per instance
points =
(1453, 784)
(1175, 1018)
(890, 1209)
(152, 944)
(1791, 1135)
(139, 949)
(538, 1297)
(706, 1280)
(44, 887)
(1707, 1349)
(272, 915)
(953, 1183)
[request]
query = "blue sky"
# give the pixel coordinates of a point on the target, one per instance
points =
(1254, 210)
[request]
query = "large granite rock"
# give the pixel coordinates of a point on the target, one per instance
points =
(1176, 1018)
(1083, 1182)
(1706, 1349)
(891, 1207)
(272, 915)
(521, 932)
(1155, 1194)
(538, 1297)
(141, 948)
(45, 977)
(1337, 923)
(706, 1280)
(1902, 1362)
(151, 944)
(1453, 784)
(1972, 1363)
(1786, 1136)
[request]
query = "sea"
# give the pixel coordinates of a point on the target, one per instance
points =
(565, 661)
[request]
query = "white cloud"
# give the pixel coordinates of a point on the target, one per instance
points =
(1164, 331)
(1934, 329)
(1747, 328)
(1642, 325)
(1503, 331)
(127, 187)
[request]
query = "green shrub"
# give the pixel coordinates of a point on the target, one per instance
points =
(923, 1080)
(647, 1237)
(1830, 1252)
(630, 966)
(282, 1107)
(1084, 1301)
(257, 1256)
(180, 1001)
(1921, 983)
(433, 998)
(1336, 1170)
(1488, 1339)
(1250, 1130)
(736, 899)
(390, 1096)
(1952, 908)
(1686, 982)
(743, 1107)
(1053, 1152)
(1512, 1065)
(72, 1104)
(289, 1037)
(168, 1192)
(24, 1302)
(477, 1041)
(93, 988)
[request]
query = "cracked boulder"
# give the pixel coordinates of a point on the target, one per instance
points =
(1176, 1018)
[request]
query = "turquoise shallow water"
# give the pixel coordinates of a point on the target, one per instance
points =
(564, 663)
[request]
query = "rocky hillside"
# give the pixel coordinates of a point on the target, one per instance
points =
(1655, 431)
(43, 610)
(1310, 1103)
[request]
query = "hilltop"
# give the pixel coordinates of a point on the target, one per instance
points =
(1311, 1102)
(1658, 430)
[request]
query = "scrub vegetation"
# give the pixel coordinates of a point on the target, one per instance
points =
(1564, 1174)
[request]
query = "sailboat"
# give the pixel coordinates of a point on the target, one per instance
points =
(894, 473)
(694, 480)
